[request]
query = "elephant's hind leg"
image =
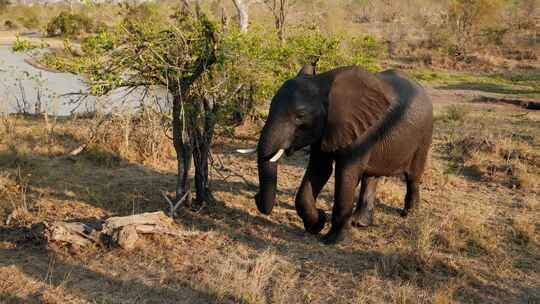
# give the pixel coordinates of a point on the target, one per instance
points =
(414, 179)
(363, 214)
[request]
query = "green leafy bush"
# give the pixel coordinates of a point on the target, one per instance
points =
(22, 45)
(99, 43)
(69, 25)
(62, 62)
(258, 62)
(259, 58)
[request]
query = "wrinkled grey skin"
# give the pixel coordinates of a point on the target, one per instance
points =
(368, 125)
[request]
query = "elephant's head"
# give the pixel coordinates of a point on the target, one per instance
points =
(331, 109)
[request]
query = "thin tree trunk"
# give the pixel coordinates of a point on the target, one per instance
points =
(281, 18)
(242, 10)
(183, 149)
(279, 9)
(185, 137)
(203, 142)
(202, 187)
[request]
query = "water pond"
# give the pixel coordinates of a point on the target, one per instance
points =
(25, 88)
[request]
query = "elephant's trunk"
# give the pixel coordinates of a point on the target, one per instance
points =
(268, 148)
(267, 186)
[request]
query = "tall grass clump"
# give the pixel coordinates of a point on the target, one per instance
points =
(69, 25)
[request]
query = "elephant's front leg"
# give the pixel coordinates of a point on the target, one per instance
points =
(347, 177)
(317, 174)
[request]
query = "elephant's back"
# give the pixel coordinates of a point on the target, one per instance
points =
(393, 152)
(410, 96)
(404, 87)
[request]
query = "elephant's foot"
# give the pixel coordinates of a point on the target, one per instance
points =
(315, 229)
(334, 236)
(407, 211)
(362, 219)
(264, 209)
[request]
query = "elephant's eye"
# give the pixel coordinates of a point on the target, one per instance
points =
(301, 113)
(300, 118)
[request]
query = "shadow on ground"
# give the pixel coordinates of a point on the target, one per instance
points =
(489, 88)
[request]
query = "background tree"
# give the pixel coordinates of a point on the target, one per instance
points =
(279, 9)
(3, 5)
(467, 17)
(242, 10)
(172, 54)
(202, 68)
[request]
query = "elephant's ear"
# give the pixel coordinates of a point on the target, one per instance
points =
(357, 100)
(307, 70)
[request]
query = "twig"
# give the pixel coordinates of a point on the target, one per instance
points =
(73, 153)
(173, 206)
(82, 147)
(521, 115)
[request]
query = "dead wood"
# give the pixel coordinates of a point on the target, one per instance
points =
(123, 231)
(73, 233)
(524, 103)
(73, 153)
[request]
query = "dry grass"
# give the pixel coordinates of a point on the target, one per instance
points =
(488, 147)
(475, 239)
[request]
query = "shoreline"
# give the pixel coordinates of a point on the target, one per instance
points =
(7, 38)
(34, 63)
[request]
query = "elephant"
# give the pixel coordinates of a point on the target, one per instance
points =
(359, 124)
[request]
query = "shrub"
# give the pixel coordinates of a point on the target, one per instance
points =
(463, 27)
(10, 25)
(69, 25)
(3, 5)
(494, 34)
(30, 21)
(456, 113)
(100, 27)
(259, 58)
(467, 18)
(144, 13)
(97, 44)
(21, 45)
(58, 63)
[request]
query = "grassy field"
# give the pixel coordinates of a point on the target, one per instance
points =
(520, 84)
(475, 239)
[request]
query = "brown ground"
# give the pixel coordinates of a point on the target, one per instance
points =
(475, 239)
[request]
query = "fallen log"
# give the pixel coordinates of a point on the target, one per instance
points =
(73, 233)
(524, 103)
(122, 231)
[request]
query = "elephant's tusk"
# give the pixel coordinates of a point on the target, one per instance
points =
(277, 156)
(246, 151)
